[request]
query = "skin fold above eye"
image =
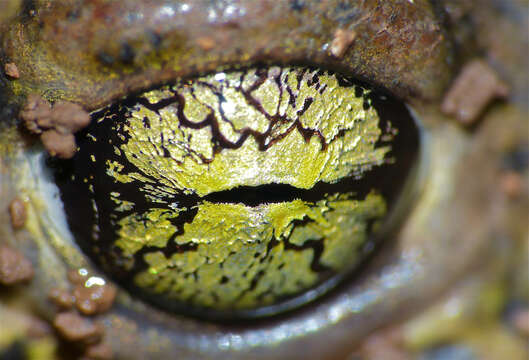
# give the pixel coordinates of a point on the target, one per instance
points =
(98, 52)
(66, 48)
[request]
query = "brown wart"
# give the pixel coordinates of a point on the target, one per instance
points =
(90, 294)
(18, 213)
(11, 70)
(15, 268)
(473, 89)
(76, 328)
(56, 125)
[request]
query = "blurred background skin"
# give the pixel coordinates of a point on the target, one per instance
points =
(482, 313)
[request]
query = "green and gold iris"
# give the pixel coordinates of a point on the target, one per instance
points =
(231, 191)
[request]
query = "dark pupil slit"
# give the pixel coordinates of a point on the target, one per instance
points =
(277, 193)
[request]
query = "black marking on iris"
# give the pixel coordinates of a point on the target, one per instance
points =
(317, 250)
(172, 247)
(253, 283)
(73, 14)
(291, 96)
(219, 139)
(359, 91)
(146, 122)
(346, 13)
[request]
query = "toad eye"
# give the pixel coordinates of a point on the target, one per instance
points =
(242, 193)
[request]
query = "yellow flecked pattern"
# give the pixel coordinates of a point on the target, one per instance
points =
(232, 250)
(347, 130)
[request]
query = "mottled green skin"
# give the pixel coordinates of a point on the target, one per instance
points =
(228, 131)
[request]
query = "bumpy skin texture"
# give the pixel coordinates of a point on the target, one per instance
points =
(458, 227)
(64, 49)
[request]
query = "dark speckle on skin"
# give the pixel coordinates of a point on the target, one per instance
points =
(297, 5)
(28, 9)
(126, 53)
(154, 38)
(517, 159)
(345, 13)
(73, 14)
(105, 58)
(133, 17)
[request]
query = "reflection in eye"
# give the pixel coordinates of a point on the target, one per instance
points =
(246, 192)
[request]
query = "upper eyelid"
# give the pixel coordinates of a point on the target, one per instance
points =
(93, 55)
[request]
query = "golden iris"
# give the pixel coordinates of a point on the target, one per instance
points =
(233, 191)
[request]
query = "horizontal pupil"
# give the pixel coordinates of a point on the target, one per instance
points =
(265, 194)
(276, 193)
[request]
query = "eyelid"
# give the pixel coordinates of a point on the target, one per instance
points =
(94, 54)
